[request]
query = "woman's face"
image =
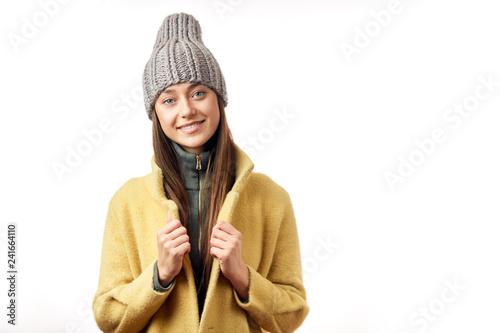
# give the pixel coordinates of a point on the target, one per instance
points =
(188, 114)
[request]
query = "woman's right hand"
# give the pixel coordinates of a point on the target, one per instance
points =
(173, 245)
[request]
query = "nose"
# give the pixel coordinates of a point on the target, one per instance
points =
(187, 108)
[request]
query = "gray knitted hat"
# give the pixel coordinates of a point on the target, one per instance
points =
(179, 55)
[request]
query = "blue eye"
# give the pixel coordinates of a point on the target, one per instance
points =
(168, 101)
(198, 94)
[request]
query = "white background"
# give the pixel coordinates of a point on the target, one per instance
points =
(352, 122)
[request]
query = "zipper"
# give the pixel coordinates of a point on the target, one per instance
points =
(198, 167)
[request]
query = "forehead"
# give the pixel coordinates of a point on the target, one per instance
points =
(178, 87)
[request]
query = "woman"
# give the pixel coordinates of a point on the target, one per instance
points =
(202, 243)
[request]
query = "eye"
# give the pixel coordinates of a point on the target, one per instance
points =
(198, 94)
(168, 101)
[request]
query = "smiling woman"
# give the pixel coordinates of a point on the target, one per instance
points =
(202, 243)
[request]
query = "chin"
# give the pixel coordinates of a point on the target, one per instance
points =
(193, 145)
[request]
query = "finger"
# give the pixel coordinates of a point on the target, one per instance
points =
(177, 232)
(171, 226)
(226, 227)
(220, 225)
(169, 216)
(184, 248)
(171, 236)
(220, 234)
(214, 242)
(180, 241)
(216, 252)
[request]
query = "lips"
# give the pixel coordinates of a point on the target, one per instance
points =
(190, 125)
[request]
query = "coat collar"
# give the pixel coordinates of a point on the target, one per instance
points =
(244, 167)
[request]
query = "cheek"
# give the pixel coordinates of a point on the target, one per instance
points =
(214, 115)
(216, 119)
(167, 122)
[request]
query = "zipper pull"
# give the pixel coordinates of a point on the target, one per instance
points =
(198, 162)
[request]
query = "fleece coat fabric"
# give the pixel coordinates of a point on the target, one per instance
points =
(259, 208)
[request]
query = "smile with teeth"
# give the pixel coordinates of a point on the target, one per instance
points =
(191, 126)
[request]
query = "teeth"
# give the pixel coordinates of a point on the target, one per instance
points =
(191, 126)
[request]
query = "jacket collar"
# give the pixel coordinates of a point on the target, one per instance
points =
(244, 167)
(188, 165)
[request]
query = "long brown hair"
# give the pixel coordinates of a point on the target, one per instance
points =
(220, 172)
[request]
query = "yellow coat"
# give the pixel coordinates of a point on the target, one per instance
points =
(259, 208)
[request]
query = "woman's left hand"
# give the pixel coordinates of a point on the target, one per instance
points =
(226, 246)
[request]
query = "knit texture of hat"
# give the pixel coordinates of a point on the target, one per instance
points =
(179, 55)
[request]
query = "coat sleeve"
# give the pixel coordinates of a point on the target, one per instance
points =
(124, 302)
(277, 301)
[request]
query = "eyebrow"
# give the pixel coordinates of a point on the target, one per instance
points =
(192, 85)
